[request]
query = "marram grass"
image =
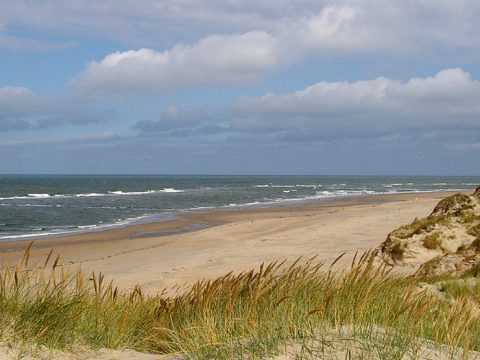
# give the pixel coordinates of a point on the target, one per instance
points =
(304, 308)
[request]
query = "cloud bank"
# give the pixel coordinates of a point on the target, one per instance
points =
(326, 31)
(339, 110)
(379, 106)
(21, 109)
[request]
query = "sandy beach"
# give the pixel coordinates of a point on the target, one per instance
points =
(213, 243)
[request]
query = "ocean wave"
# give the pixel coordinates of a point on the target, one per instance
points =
(39, 196)
(28, 196)
(396, 184)
(171, 190)
(86, 226)
(109, 193)
(79, 229)
(119, 192)
(275, 186)
(318, 196)
(85, 195)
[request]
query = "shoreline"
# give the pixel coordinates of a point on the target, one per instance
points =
(188, 220)
(235, 240)
(184, 215)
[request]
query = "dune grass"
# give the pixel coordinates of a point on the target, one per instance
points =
(303, 307)
(432, 241)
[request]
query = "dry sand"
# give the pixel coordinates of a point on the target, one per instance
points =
(236, 240)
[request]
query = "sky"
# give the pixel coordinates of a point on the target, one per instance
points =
(240, 87)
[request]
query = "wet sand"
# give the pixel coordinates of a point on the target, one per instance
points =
(210, 244)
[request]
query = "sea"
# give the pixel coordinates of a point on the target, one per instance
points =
(36, 206)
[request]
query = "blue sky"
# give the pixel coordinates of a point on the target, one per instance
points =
(240, 87)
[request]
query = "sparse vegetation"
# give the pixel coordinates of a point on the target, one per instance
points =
(430, 266)
(469, 217)
(476, 244)
(474, 230)
(463, 247)
(397, 250)
(473, 272)
(419, 225)
(461, 288)
(251, 315)
(453, 227)
(432, 241)
(453, 204)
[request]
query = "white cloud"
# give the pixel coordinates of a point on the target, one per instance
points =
(231, 59)
(430, 107)
(333, 30)
(432, 26)
(379, 106)
(19, 101)
(21, 109)
(266, 39)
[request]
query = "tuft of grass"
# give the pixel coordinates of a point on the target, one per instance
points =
(430, 267)
(254, 314)
(474, 230)
(397, 250)
(473, 272)
(463, 247)
(466, 288)
(475, 244)
(469, 217)
(432, 241)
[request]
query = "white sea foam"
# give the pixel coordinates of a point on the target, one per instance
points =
(318, 196)
(39, 196)
(87, 195)
(29, 196)
(22, 236)
(86, 226)
(275, 186)
(119, 192)
(109, 193)
(171, 190)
